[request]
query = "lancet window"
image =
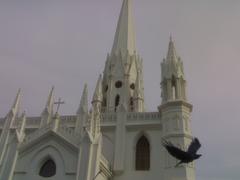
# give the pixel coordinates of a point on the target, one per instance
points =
(48, 169)
(142, 154)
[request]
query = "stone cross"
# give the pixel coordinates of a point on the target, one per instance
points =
(59, 103)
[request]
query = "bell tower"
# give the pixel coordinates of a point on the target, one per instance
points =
(176, 114)
(122, 76)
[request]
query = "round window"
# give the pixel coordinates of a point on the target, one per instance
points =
(132, 86)
(118, 84)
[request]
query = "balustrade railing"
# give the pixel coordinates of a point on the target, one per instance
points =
(109, 117)
(155, 116)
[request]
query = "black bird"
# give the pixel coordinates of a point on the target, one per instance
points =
(184, 156)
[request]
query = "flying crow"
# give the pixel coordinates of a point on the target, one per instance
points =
(184, 156)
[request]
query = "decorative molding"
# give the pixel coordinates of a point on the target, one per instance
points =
(174, 104)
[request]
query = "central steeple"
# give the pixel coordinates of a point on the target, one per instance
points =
(122, 77)
(125, 35)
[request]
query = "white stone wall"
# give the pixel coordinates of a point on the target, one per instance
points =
(153, 125)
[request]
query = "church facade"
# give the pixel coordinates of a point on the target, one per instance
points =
(115, 138)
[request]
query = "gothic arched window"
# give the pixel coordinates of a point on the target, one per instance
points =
(117, 100)
(131, 104)
(48, 169)
(142, 154)
(174, 88)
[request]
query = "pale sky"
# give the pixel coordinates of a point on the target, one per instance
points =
(65, 44)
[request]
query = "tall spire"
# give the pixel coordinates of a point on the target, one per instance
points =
(122, 64)
(125, 35)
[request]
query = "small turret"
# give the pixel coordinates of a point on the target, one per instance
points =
(95, 113)
(173, 81)
(175, 112)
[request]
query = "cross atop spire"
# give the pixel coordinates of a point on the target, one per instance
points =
(125, 35)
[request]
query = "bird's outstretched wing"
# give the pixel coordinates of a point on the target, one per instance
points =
(174, 151)
(194, 146)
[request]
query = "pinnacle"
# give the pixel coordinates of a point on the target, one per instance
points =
(84, 100)
(15, 105)
(138, 90)
(50, 97)
(50, 101)
(98, 91)
(171, 55)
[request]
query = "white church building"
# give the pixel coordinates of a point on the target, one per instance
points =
(115, 138)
